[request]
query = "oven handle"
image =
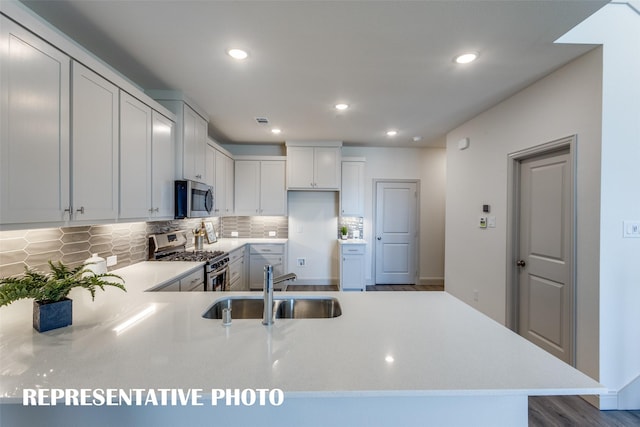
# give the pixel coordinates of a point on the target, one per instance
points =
(213, 275)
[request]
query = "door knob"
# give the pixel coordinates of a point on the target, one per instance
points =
(521, 263)
(379, 238)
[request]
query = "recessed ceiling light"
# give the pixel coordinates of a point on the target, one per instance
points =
(392, 132)
(465, 58)
(341, 106)
(237, 53)
(276, 131)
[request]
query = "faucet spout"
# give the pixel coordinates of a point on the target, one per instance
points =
(286, 278)
(267, 314)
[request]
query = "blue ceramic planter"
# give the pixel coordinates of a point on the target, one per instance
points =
(52, 315)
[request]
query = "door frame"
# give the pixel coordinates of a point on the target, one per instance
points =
(513, 227)
(375, 222)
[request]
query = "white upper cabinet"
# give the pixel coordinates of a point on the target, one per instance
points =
(260, 187)
(34, 128)
(195, 143)
(210, 166)
(95, 146)
(224, 184)
(313, 167)
(219, 174)
(229, 184)
(191, 138)
(352, 193)
(162, 166)
(135, 158)
(247, 181)
(273, 196)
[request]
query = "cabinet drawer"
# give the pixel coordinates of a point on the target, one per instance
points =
(236, 255)
(267, 249)
(235, 270)
(353, 249)
(192, 280)
(170, 287)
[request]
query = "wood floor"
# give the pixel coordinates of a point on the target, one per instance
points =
(544, 411)
(561, 411)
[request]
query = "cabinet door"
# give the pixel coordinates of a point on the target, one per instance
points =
(95, 146)
(256, 268)
(34, 128)
(162, 165)
(327, 168)
(220, 189)
(194, 142)
(352, 272)
(135, 158)
(352, 193)
(247, 187)
(273, 196)
(230, 185)
(300, 167)
(210, 169)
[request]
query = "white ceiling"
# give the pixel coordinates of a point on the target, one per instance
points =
(392, 61)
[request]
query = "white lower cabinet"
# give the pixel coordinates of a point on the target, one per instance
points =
(188, 282)
(352, 268)
(237, 267)
(261, 255)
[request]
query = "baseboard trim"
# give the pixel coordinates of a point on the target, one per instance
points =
(437, 281)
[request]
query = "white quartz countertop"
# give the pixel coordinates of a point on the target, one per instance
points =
(384, 343)
(228, 245)
(352, 242)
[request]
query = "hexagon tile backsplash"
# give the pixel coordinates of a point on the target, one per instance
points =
(71, 245)
(129, 241)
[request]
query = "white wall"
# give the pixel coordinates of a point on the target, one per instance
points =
(617, 27)
(567, 102)
(313, 234)
(424, 164)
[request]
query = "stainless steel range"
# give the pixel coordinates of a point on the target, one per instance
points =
(172, 247)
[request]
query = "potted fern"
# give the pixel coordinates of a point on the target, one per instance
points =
(51, 307)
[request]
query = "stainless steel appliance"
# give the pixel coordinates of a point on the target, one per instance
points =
(172, 247)
(193, 199)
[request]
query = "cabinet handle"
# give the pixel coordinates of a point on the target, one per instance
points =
(156, 210)
(81, 210)
(352, 250)
(69, 210)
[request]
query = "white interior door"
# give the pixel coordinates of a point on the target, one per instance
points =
(396, 232)
(545, 253)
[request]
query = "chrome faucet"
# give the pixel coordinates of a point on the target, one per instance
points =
(285, 278)
(267, 313)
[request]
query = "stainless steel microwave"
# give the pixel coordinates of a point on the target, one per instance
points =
(193, 199)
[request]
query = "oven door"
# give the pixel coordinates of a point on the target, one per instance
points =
(217, 280)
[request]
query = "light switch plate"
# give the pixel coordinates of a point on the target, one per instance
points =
(631, 229)
(112, 260)
(491, 222)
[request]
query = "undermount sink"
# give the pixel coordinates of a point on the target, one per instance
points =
(283, 308)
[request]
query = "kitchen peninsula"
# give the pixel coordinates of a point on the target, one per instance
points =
(405, 358)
